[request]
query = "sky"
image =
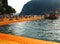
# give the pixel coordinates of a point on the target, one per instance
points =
(17, 4)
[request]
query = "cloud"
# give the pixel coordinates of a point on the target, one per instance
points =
(17, 4)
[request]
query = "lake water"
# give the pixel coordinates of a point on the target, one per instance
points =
(40, 29)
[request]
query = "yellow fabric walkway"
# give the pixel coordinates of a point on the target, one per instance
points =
(7, 21)
(10, 39)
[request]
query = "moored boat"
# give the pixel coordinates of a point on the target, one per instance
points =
(52, 15)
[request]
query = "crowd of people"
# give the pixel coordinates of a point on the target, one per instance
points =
(17, 17)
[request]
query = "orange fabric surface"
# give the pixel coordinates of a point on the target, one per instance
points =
(7, 21)
(7, 42)
(10, 39)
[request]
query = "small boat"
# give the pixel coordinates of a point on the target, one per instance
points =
(51, 15)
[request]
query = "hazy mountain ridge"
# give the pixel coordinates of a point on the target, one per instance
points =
(39, 7)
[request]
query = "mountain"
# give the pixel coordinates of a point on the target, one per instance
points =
(38, 7)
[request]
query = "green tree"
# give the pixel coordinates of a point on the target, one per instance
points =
(5, 8)
(9, 10)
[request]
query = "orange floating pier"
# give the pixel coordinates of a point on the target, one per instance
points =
(10, 39)
(5, 21)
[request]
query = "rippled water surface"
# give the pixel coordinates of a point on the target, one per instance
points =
(39, 29)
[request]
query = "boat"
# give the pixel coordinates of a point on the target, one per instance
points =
(52, 15)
